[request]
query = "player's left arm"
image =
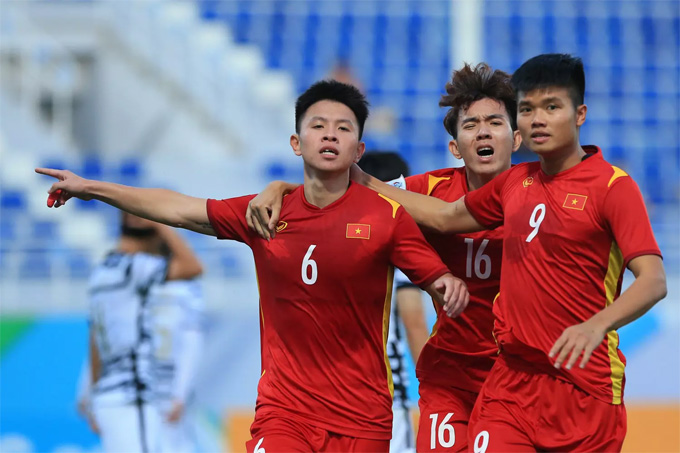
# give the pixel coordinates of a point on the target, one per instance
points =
(417, 259)
(648, 288)
(626, 215)
(410, 306)
(92, 376)
(190, 341)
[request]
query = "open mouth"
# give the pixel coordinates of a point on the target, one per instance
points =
(329, 151)
(485, 151)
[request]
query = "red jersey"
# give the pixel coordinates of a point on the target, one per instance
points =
(461, 351)
(325, 287)
(568, 238)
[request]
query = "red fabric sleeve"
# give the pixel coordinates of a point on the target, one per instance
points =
(625, 212)
(486, 203)
(413, 254)
(228, 218)
(417, 183)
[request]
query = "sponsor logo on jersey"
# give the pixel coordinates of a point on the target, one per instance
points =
(575, 201)
(358, 231)
(527, 182)
(281, 226)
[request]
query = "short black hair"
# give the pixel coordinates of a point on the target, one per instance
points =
(469, 85)
(384, 165)
(552, 70)
(332, 90)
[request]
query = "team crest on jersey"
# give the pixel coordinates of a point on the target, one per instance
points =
(575, 201)
(528, 181)
(358, 231)
(281, 226)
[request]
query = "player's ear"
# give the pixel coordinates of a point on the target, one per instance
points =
(361, 149)
(516, 140)
(453, 149)
(295, 144)
(581, 111)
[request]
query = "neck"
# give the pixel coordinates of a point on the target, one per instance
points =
(477, 180)
(322, 190)
(128, 244)
(561, 160)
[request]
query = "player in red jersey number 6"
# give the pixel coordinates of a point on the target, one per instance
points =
(325, 281)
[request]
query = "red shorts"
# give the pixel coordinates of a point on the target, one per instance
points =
(444, 415)
(276, 432)
(521, 410)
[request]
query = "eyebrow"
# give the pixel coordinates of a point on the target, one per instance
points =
(325, 120)
(550, 100)
(471, 119)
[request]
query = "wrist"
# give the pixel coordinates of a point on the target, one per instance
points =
(600, 323)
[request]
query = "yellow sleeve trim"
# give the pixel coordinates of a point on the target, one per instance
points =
(433, 181)
(618, 173)
(394, 204)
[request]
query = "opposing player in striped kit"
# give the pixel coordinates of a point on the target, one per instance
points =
(177, 325)
(121, 332)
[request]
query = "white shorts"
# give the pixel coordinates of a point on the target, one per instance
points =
(128, 428)
(403, 436)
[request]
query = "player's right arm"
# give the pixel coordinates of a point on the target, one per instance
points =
(160, 205)
(427, 211)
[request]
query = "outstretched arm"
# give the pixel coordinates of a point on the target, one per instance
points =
(160, 205)
(428, 211)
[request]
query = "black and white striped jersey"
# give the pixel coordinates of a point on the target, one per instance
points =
(119, 317)
(176, 318)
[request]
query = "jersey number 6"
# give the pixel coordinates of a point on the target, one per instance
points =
(308, 262)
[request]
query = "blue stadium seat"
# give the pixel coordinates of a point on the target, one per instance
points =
(35, 265)
(44, 232)
(79, 265)
(8, 232)
(12, 200)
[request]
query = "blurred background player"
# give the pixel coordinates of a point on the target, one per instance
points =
(177, 308)
(406, 318)
(121, 332)
(482, 122)
(317, 329)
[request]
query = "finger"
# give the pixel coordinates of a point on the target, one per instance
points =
(274, 216)
(262, 232)
(558, 345)
(586, 355)
(51, 172)
(458, 299)
(261, 223)
(264, 216)
(249, 219)
(463, 298)
(575, 354)
(566, 350)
